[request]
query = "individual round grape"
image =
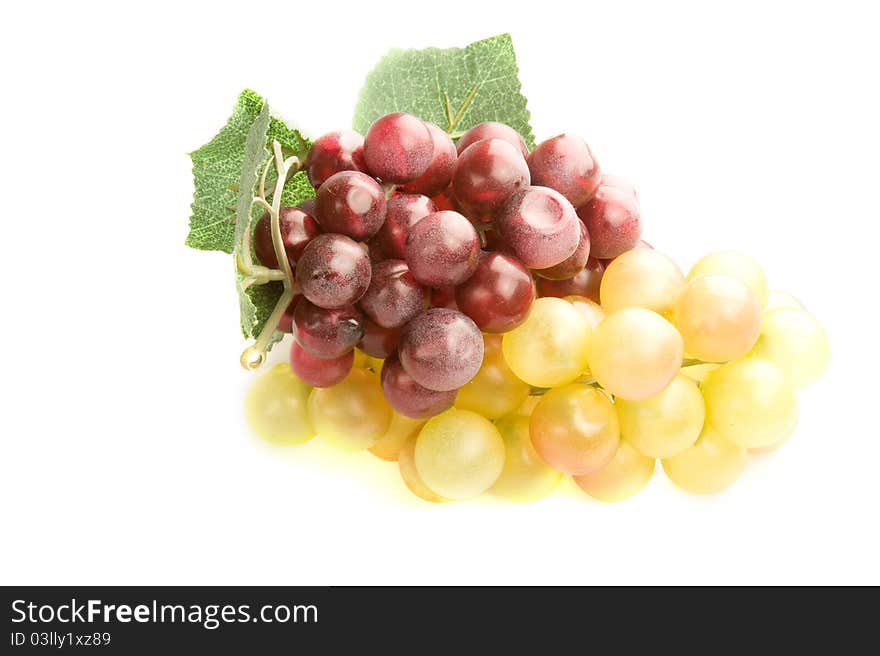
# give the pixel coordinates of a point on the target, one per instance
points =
(441, 349)
(327, 333)
(352, 415)
(334, 152)
(565, 163)
(750, 402)
(641, 278)
(409, 398)
(438, 175)
(635, 353)
(550, 347)
(379, 342)
(276, 407)
(486, 175)
(401, 429)
(585, 282)
(525, 477)
(666, 423)
(495, 391)
(613, 219)
(319, 372)
(351, 203)
(499, 293)
(792, 339)
(459, 454)
(442, 249)
(574, 263)
(297, 230)
(592, 311)
(625, 475)
(334, 271)
(394, 295)
(719, 318)
(540, 226)
(730, 263)
(398, 148)
(574, 429)
(778, 299)
(492, 130)
(402, 213)
(406, 461)
(710, 465)
(444, 297)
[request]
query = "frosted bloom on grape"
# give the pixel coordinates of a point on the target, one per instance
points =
(540, 226)
(398, 148)
(441, 349)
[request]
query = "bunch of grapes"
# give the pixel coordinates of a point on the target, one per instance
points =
(490, 318)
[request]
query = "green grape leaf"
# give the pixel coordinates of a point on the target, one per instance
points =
(457, 86)
(251, 299)
(255, 154)
(217, 168)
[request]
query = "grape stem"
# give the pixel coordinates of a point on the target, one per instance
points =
(261, 275)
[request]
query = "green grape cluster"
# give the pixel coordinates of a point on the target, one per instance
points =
(697, 371)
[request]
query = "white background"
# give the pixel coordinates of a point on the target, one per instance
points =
(125, 458)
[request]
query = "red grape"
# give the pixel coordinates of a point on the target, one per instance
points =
(441, 349)
(442, 249)
(394, 295)
(492, 130)
(584, 283)
(566, 164)
(409, 398)
(351, 203)
(402, 213)
(327, 333)
(573, 263)
(540, 226)
(335, 152)
(499, 293)
(438, 175)
(334, 271)
(398, 148)
(377, 341)
(297, 230)
(486, 175)
(319, 372)
(613, 220)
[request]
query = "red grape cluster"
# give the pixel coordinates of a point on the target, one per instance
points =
(415, 245)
